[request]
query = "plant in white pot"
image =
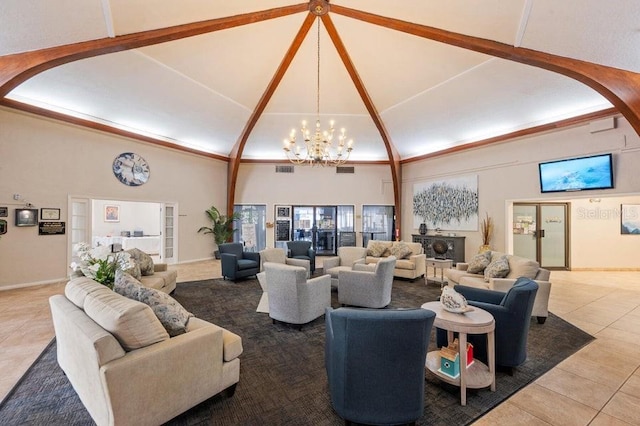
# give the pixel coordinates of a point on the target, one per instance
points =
(221, 227)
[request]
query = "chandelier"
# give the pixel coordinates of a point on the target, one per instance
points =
(318, 146)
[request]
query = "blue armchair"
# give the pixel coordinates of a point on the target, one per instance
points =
(375, 363)
(512, 312)
(237, 263)
(302, 250)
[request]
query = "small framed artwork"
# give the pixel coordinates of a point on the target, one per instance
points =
(4, 211)
(111, 213)
(49, 214)
(630, 219)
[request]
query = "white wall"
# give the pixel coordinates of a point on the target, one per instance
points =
(47, 161)
(134, 216)
(260, 184)
(508, 172)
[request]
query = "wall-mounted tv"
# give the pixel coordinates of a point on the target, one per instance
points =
(26, 217)
(577, 174)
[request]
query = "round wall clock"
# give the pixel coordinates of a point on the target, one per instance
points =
(131, 169)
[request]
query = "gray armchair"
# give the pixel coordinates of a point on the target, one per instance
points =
(344, 261)
(512, 312)
(275, 255)
(375, 363)
(302, 250)
(293, 298)
(367, 286)
(237, 263)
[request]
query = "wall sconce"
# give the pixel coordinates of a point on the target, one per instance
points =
(594, 200)
(269, 224)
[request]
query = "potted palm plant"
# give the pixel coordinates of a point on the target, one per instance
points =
(221, 227)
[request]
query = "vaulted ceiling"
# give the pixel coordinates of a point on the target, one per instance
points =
(397, 74)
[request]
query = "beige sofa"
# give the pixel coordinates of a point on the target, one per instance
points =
(124, 366)
(410, 266)
(162, 279)
(518, 267)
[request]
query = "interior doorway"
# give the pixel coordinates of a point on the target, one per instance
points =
(541, 232)
(318, 225)
(148, 226)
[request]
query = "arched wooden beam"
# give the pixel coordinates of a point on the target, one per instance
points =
(392, 152)
(620, 87)
(16, 69)
(236, 151)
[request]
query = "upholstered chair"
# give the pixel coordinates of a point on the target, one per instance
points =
(367, 286)
(293, 298)
(275, 255)
(375, 363)
(237, 263)
(302, 250)
(512, 312)
(344, 261)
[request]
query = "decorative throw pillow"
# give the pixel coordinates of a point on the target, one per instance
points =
(173, 317)
(171, 314)
(126, 285)
(497, 269)
(479, 262)
(376, 248)
(143, 260)
(400, 250)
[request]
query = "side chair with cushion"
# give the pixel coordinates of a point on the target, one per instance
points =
(293, 298)
(375, 363)
(302, 250)
(344, 261)
(512, 312)
(367, 286)
(237, 263)
(275, 255)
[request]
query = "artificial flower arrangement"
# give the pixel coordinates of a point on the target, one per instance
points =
(100, 263)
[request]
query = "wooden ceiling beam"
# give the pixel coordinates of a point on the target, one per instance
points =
(238, 147)
(17, 68)
(392, 152)
(620, 87)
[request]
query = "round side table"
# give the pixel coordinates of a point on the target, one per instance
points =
(478, 374)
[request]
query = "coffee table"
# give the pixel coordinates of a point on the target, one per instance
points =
(478, 374)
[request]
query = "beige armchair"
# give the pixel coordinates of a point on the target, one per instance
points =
(275, 255)
(344, 261)
(293, 298)
(367, 286)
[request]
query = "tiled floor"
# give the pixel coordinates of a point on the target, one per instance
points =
(599, 385)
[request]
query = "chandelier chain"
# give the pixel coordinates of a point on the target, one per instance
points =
(318, 148)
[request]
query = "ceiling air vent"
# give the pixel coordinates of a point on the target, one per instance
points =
(345, 169)
(284, 169)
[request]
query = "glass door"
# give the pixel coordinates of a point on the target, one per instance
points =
(318, 225)
(540, 232)
(252, 226)
(326, 230)
(377, 223)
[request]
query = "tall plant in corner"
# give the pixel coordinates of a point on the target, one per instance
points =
(221, 227)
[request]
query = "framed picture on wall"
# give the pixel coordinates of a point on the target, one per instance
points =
(111, 213)
(630, 219)
(49, 214)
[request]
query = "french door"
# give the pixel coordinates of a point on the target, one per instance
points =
(541, 232)
(318, 225)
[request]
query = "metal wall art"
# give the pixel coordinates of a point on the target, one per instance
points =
(450, 204)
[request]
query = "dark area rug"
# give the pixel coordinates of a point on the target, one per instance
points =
(282, 377)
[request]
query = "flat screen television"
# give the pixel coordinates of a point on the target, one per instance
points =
(26, 217)
(577, 174)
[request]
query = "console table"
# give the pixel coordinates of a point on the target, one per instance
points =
(455, 244)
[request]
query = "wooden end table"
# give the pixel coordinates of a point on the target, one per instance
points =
(478, 374)
(441, 264)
